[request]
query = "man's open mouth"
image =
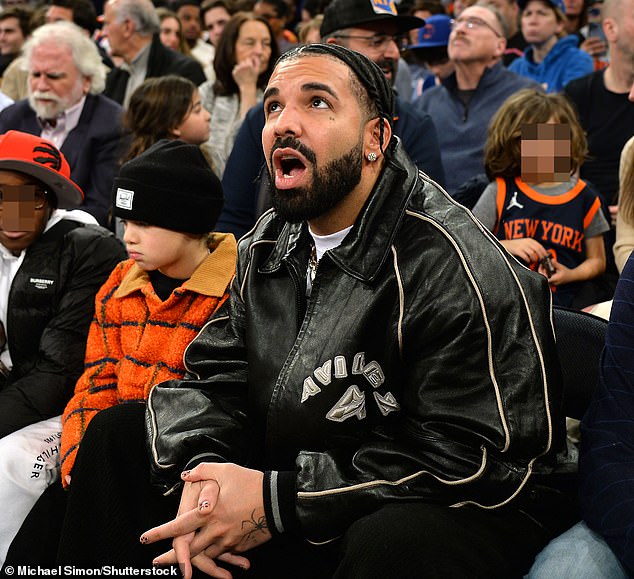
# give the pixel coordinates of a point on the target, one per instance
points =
(289, 168)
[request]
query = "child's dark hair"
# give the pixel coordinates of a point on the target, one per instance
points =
(503, 152)
(157, 107)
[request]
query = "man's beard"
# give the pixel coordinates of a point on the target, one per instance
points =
(330, 185)
(58, 105)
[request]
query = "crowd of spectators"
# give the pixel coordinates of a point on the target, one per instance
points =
(98, 85)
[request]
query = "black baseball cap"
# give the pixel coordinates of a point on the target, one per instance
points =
(342, 14)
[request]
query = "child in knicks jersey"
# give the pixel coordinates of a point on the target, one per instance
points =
(536, 207)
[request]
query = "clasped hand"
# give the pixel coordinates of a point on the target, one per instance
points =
(221, 514)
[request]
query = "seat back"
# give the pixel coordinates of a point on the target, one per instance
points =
(580, 340)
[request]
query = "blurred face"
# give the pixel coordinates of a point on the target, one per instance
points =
(254, 41)
(170, 33)
(215, 22)
(58, 14)
(156, 248)
(313, 36)
(11, 37)
(377, 42)
(625, 31)
(313, 137)
(194, 129)
(413, 34)
(441, 69)
(573, 7)
(24, 210)
(509, 11)
(55, 84)
(546, 152)
(116, 32)
(268, 12)
(539, 23)
(476, 37)
(190, 19)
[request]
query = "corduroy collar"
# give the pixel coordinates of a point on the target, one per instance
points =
(211, 278)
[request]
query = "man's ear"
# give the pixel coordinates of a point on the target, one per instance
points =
(610, 29)
(372, 140)
(500, 47)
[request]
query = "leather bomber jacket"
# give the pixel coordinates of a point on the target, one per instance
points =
(422, 366)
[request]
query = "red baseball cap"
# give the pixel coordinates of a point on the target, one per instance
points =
(41, 159)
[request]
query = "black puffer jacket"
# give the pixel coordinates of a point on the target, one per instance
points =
(423, 365)
(51, 305)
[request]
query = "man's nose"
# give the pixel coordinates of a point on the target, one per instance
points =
(288, 123)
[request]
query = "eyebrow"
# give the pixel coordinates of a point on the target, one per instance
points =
(309, 86)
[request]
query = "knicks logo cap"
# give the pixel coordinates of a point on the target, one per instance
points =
(342, 14)
(41, 159)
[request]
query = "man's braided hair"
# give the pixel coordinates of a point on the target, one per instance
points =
(373, 91)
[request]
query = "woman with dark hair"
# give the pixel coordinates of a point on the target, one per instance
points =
(171, 31)
(245, 56)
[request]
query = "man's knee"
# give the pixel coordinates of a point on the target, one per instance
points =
(405, 540)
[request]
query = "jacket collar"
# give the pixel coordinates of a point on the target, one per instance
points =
(489, 77)
(367, 246)
(211, 278)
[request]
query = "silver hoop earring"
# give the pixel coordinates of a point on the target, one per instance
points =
(371, 157)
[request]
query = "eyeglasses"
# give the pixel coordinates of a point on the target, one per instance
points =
(474, 23)
(23, 194)
(377, 41)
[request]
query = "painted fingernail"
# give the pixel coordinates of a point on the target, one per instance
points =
(204, 505)
(185, 473)
(143, 539)
(181, 566)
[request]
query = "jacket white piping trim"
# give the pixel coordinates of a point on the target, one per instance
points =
(506, 257)
(154, 433)
(498, 396)
(529, 471)
(401, 301)
(246, 271)
(405, 479)
(267, 212)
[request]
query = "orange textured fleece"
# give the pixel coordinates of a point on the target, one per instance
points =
(137, 341)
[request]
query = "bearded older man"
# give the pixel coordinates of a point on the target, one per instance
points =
(66, 75)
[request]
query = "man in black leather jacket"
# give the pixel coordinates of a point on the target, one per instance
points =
(378, 393)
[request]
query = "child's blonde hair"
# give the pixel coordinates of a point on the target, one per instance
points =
(502, 151)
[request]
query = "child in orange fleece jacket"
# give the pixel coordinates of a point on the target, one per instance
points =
(154, 304)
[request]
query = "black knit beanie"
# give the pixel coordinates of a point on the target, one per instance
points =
(170, 185)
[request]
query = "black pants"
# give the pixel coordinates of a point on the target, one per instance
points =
(112, 502)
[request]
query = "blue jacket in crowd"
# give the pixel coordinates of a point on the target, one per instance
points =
(563, 63)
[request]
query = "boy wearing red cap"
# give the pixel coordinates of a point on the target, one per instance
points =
(52, 262)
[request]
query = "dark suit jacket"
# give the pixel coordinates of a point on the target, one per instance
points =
(161, 61)
(92, 148)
